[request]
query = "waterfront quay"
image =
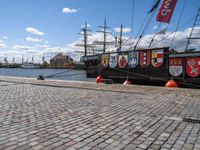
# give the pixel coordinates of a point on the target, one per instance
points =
(62, 115)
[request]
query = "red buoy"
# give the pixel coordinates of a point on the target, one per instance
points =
(171, 83)
(127, 82)
(99, 79)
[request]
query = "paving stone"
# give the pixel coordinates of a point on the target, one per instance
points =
(102, 145)
(154, 146)
(64, 135)
(33, 143)
(79, 145)
(34, 139)
(143, 146)
(37, 147)
(57, 144)
(11, 147)
(77, 115)
(109, 140)
(167, 146)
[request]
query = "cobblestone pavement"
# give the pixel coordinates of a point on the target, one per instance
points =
(35, 115)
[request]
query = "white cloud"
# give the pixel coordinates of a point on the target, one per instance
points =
(125, 30)
(162, 40)
(5, 37)
(3, 45)
(83, 26)
(155, 27)
(76, 52)
(30, 39)
(69, 10)
(34, 31)
(165, 40)
(54, 49)
(41, 46)
(22, 47)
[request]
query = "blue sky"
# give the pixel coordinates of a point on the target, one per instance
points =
(36, 27)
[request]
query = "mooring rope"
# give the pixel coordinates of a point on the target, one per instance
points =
(75, 74)
(161, 79)
(49, 76)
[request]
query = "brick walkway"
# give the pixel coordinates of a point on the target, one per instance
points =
(41, 115)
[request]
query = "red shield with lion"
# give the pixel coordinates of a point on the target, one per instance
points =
(193, 67)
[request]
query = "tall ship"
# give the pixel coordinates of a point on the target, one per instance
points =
(150, 65)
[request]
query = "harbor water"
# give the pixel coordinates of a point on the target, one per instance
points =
(56, 74)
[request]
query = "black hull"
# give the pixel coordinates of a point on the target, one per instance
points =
(119, 77)
(148, 75)
(92, 71)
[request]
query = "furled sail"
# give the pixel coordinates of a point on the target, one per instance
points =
(155, 6)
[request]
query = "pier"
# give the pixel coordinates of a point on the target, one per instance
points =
(71, 115)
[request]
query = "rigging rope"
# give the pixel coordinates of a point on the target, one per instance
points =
(161, 79)
(132, 22)
(132, 17)
(178, 22)
(193, 28)
(145, 28)
(139, 31)
(177, 25)
(172, 33)
(141, 27)
(154, 35)
(49, 76)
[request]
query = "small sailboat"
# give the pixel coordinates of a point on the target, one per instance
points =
(30, 65)
(27, 65)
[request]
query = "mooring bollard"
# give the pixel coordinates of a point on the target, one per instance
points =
(40, 77)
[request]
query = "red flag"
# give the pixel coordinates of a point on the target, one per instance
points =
(166, 11)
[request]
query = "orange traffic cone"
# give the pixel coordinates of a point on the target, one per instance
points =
(171, 83)
(99, 79)
(127, 82)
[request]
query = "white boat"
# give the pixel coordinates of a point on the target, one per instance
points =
(30, 66)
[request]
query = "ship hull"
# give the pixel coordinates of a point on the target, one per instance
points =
(150, 75)
(30, 66)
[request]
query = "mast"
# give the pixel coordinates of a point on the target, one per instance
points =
(13, 60)
(6, 60)
(105, 32)
(120, 38)
(22, 59)
(85, 35)
(104, 35)
(190, 36)
(43, 58)
(116, 41)
(85, 39)
(32, 59)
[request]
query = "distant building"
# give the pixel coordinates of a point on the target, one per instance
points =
(61, 60)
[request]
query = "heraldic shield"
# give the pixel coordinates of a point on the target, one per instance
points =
(113, 60)
(145, 56)
(193, 67)
(157, 58)
(105, 60)
(175, 67)
(123, 61)
(133, 59)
